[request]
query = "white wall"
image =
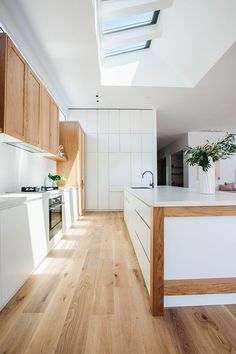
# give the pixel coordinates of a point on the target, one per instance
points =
(21, 168)
(121, 144)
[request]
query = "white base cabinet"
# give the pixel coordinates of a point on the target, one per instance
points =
(66, 210)
(138, 220)
(37, 213)
(17, 259)
(74, 203)
(24, 243)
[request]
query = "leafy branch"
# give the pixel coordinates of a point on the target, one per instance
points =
(55, 178)
(202, 155)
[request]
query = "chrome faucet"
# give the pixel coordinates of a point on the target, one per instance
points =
(152, 183)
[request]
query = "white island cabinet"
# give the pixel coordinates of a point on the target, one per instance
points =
(185, 244)
(137, 218)
(23, 241)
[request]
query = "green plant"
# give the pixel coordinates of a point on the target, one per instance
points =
(204, 154)
(55, 178)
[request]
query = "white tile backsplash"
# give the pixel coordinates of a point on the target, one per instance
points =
(21, 168)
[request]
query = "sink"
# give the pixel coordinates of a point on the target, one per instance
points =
(141, 187)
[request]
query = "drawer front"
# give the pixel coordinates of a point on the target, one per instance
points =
(143, 233)
(142, 260)
(143, 209)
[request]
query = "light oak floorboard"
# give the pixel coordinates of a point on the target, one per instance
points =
(88, 296)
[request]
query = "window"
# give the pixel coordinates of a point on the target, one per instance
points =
(127, 49)
(130, 22)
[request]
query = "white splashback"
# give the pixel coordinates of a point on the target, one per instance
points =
(21, 168)
(120, 145)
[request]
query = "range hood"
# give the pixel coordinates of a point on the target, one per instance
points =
(25, 146)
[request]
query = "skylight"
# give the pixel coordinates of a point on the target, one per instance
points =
(130, 22)
(127, 49)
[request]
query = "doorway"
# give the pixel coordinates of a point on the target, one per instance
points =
(161, 171)
(177, 169)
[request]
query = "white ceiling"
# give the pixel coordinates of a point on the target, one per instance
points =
(188, 74)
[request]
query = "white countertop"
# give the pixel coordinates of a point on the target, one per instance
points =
(10, 202)
(166, 196)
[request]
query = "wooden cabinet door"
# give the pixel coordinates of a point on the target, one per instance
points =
(54, 128)
(45, 119)
(16, 90)
(33, 109)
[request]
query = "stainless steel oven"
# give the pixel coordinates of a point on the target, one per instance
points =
(55, 215)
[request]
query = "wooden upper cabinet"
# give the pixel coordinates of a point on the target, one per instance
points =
(45, 119)
(54, 127)
(33, 122)
(15, 92)
(27, 111)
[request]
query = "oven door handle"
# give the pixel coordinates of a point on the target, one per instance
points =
(57, 205)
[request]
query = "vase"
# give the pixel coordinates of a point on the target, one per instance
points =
(207, 183)
(54, 184)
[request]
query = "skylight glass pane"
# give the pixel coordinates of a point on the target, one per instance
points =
(126, 49)
(128, 22)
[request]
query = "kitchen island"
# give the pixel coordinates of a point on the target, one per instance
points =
(185, 243)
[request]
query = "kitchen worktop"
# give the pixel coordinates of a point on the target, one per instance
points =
(166, 196)
(10, 202)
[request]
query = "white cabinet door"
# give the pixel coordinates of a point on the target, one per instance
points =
(91, 143)
(147, 122)
(92, 122)
(125, 143)
(67, 211)
(91, 181)
(103, 121)
(136, 170)
(135, 121)
(125, 121)
(103, 142)
(75, 206)
(114, 121)
(135, 142)
(116, 200)
(103, 182)
(147, 164)
(119, 169)
(114, 143)
(38, 227)
(147, 143)
(17, 258)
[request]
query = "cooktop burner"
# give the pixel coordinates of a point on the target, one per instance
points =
(38, 189)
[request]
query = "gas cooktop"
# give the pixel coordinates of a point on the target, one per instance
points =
(38, 189)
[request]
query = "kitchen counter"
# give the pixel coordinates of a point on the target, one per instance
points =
(185, 244)
(166, 196)
(10, 202)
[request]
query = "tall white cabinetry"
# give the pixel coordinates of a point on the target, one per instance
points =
(121, 144)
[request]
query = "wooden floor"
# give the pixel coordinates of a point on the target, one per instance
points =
(88, 296)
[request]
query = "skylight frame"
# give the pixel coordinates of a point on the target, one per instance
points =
(134, 26)
(131, 50)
